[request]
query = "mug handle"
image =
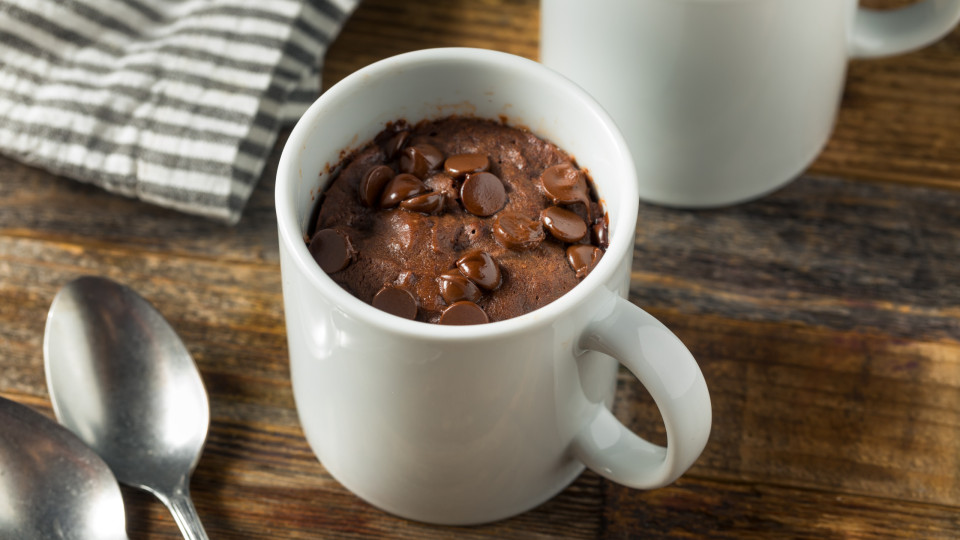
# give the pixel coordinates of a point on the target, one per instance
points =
(669, 372)
(879, 33)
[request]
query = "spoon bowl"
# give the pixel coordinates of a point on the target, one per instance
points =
(121, 379)
(51, 484)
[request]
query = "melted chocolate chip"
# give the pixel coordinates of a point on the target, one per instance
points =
(464, 313)
(565, 184)
(371, 186)
(600, 233)
(483, 194)
(396, 301)
(332, 250)
(480, 268)
(420, 159)
(454, 287)
(563, 224)
(395, 144)
(516, 231)
(462, 164)
(427, 203)
(583, 258)
(402, 186)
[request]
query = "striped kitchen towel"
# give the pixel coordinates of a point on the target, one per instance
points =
(175, 102)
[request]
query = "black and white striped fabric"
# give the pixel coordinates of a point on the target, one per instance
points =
(175, 102)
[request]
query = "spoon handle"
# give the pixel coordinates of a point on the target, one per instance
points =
(181, 506)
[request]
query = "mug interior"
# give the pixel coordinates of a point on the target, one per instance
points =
(436, 83)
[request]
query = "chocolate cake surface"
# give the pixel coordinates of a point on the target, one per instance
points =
(434, 220)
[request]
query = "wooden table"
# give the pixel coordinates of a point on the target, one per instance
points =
(825, 317)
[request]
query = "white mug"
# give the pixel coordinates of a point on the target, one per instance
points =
(723, 101)
(471, 424)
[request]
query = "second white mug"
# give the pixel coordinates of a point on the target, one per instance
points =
(723, 101)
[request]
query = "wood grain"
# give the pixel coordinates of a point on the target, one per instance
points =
(826, 319)
(382, 28)
(697, 508)
(823, 252)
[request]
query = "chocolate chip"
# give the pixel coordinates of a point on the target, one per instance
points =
(463, 313)
(480, 268)
(402, 186)
(516, 231)
(396, 301)
(583, 258)
(395, 144)
(600, 233)
(461, 164)
(454, 287)
(427, 203)
(563, 224)
(483, 194)
(371, 186)
(420, 159)
(565, 184)
(331, 249)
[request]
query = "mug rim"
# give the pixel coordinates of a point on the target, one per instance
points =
(288, 171)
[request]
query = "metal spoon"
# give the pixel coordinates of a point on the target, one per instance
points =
(121, 379)
(51, 484)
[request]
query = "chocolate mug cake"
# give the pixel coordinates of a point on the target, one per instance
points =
(469, 425)
(458, 221)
